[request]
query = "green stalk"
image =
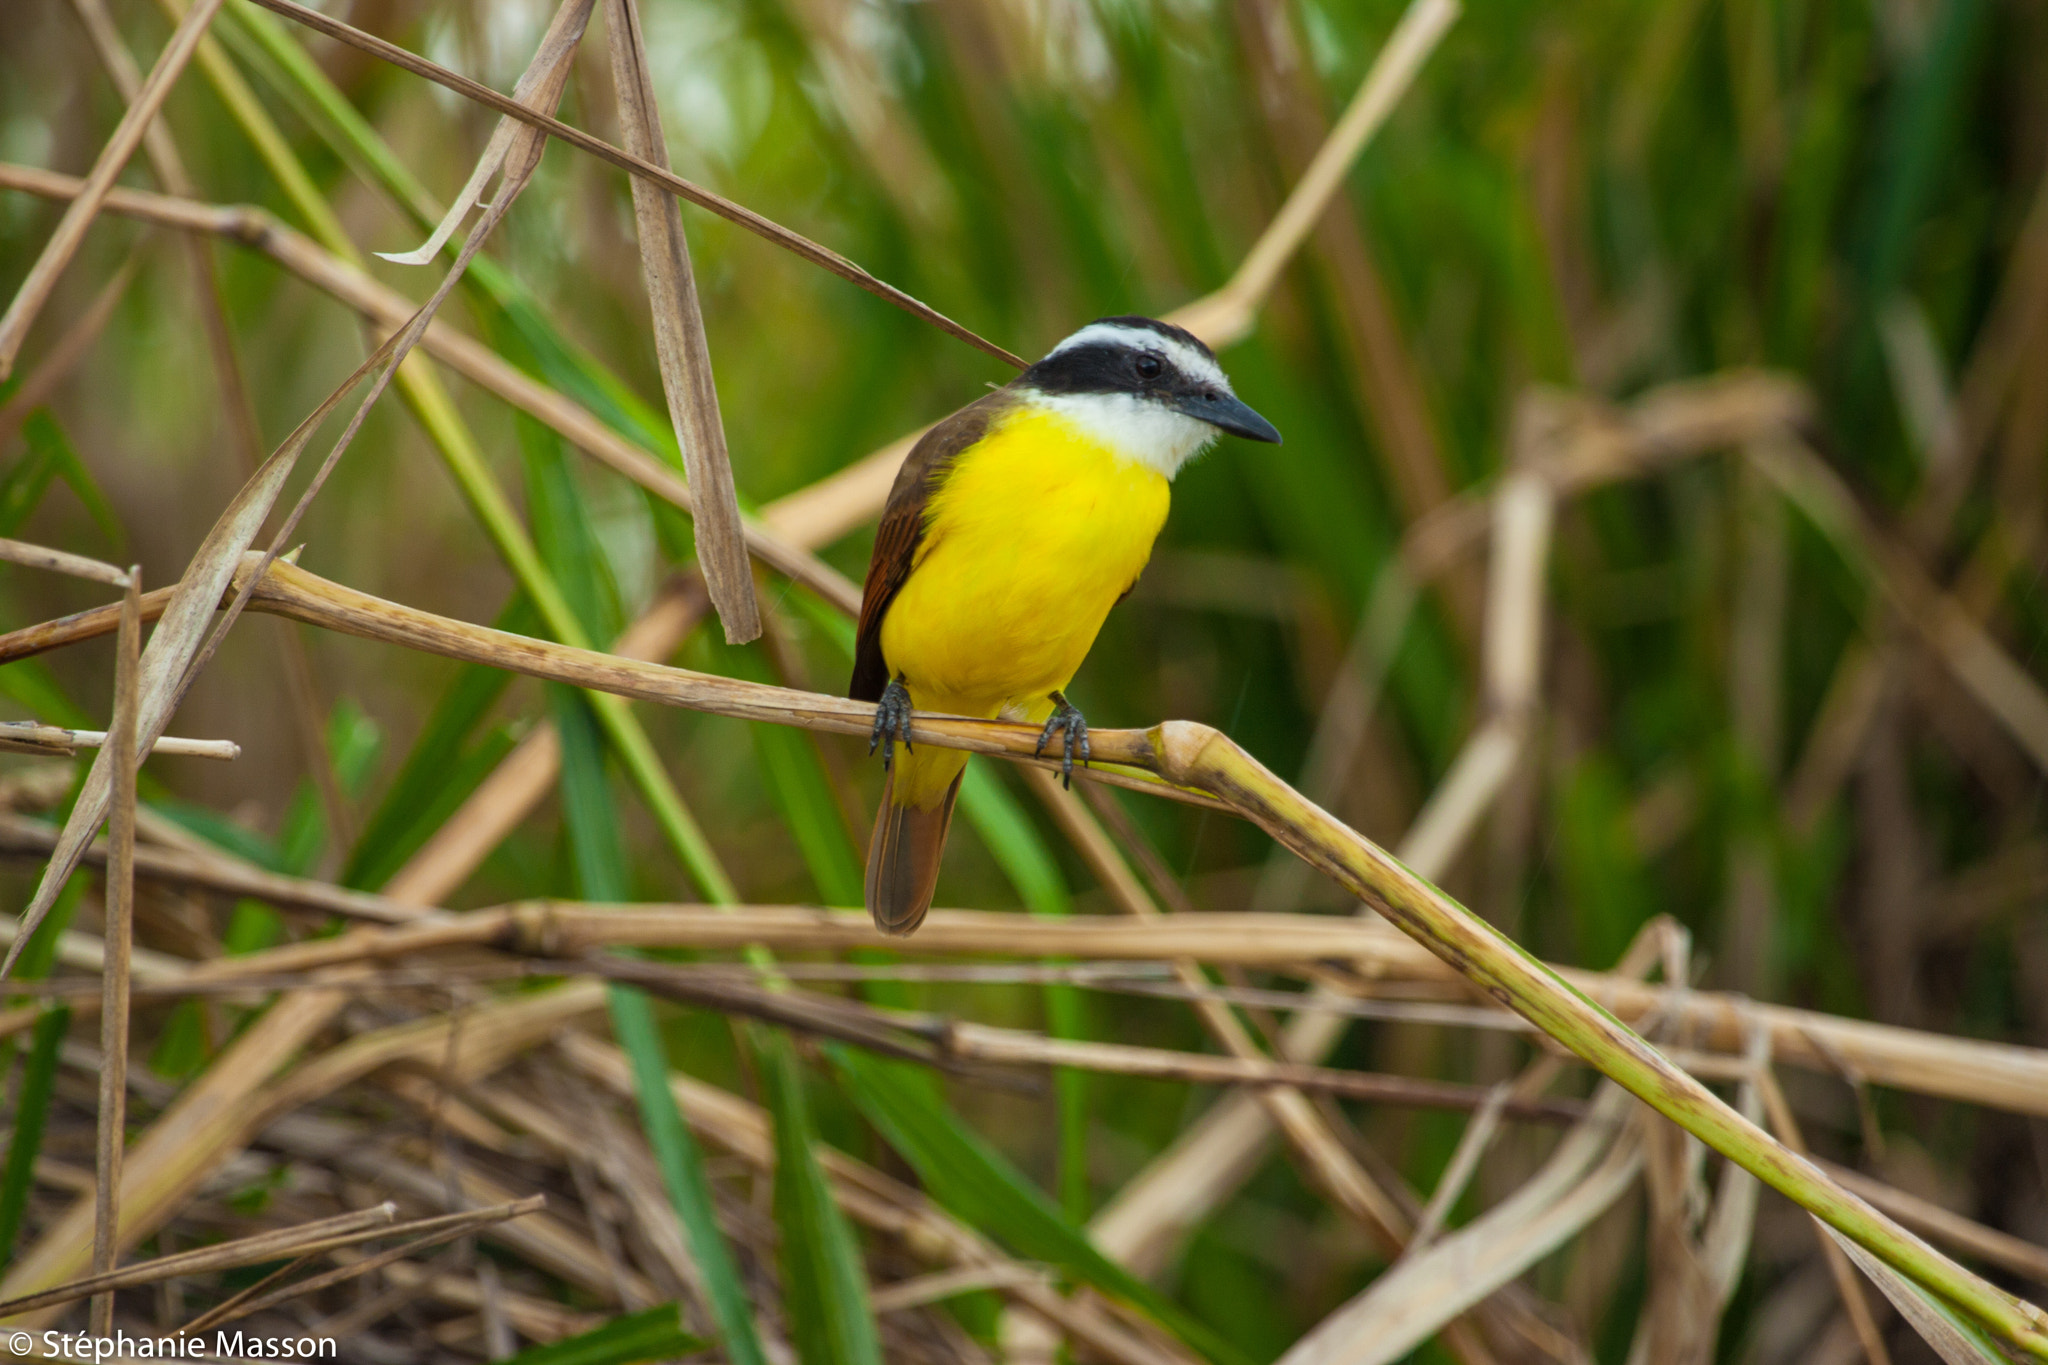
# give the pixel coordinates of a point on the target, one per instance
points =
(1204, 758)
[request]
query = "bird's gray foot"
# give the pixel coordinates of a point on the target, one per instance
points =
(1065, 719)
(892, 722)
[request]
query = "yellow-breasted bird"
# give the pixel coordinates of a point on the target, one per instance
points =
(1012, 529)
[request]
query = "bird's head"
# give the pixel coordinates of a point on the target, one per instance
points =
(1150, 391)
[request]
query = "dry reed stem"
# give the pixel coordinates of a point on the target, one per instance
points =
(680, 346)
(970, 1042)
(1950, 632)
(61, 561)
(29, 737)
(1464, 1163)
(2000, 1075)
(112, 1118)
(1228, 314)
(41, 279)
(1122, 757)
(526, 775)
(725, 208)
(320, 1235)
(784, 551)
(220, 872)
(80, 626)
(71, 347)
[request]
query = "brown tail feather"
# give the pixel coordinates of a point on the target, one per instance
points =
(903, 859)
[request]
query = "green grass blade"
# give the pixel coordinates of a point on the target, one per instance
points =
(598, 857)
(47, 440)
(656, 1334)
(31, 1111)
(977, 1184)
(823, 1281)
(682, 1171)
(26, 481)
(1028, 863)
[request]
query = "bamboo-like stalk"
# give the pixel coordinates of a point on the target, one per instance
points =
(31, 738)
(120, 941)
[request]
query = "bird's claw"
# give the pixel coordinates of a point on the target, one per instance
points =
(1065, 719)
(892, 722)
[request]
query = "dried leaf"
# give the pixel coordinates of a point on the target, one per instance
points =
(679, 340)
(1403, 1308)
(540, 86)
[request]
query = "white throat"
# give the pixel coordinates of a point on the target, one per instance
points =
(1141, 430)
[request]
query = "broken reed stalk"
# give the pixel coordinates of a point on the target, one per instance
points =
(1196, 760)
(680, 346)
(435, 1231)
(28, 737)
(41, 279)
(60, 561)
(120, 941)
(674, 184)
(323, 1235)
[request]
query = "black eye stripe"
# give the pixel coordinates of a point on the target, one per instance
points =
(1105, 368)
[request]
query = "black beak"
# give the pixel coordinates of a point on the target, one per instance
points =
(1222, 411)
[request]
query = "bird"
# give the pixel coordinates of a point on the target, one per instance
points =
(1012, 528)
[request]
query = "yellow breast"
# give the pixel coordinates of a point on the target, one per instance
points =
(1032, 537)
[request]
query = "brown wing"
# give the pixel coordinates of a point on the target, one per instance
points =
(902, 529)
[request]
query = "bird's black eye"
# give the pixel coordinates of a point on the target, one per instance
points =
(1148, 367)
